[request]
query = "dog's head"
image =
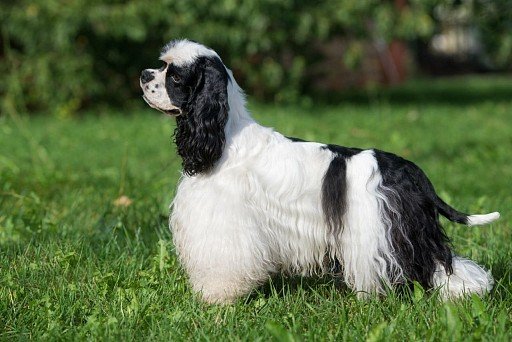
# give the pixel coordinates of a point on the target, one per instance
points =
(190, 72)
(192, 86)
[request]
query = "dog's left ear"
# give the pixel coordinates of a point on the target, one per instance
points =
(200, 136)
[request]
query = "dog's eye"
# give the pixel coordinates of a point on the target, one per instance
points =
(176, 78)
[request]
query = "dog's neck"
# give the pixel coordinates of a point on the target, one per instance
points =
(239, 117)
(245, 138)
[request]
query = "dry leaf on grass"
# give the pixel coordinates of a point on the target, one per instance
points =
(123, 201)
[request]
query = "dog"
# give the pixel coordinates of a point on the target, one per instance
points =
(252, 203)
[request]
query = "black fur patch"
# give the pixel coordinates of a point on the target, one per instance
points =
(200, 90)
(334, 186)
(342, 150)
(293, 139)
(450, 213)
(417, 236)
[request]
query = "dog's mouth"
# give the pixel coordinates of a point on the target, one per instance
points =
(171, 112)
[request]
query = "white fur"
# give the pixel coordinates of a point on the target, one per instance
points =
(467, 278)
(155, 93)
(365, 243)
(184, 52)
(476, 220)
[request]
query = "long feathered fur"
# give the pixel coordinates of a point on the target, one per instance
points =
(199, 134)
(252, 203)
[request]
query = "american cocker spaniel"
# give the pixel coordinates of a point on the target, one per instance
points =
(253, 203)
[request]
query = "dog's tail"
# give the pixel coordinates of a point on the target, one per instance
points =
(456, 216)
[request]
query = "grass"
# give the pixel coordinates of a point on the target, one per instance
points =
(75, 266)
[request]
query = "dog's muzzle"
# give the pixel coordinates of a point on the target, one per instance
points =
(171, 112)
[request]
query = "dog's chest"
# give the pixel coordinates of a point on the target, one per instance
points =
(272, 202)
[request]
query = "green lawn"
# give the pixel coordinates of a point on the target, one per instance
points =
(74, 265)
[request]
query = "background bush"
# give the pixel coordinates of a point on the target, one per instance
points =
(63, 55)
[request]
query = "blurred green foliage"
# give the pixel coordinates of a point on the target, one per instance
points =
(63, 55)
(494, 19)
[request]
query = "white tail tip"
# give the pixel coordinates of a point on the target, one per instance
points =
(476, 220)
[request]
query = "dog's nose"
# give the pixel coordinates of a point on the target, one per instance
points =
(146, 76)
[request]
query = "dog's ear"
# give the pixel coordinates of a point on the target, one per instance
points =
(199, 135)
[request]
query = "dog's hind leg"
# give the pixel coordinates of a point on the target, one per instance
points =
(369, 264)
(419, 239)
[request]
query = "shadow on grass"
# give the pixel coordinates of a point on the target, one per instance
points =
(282, 286)
(501, 271)
(452, 90)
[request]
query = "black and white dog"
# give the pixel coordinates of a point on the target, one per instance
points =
(252, 203)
